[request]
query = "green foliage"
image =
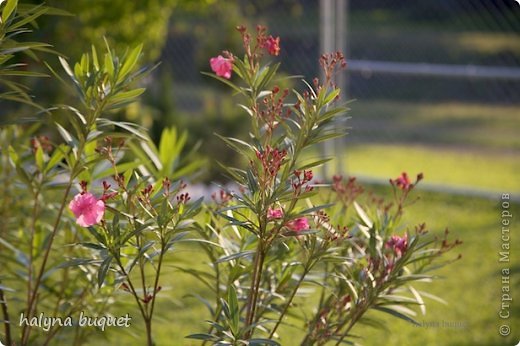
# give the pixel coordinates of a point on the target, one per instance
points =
(277, 241)
(167, 161)
(38, 175)
(272, 244)
(14, 22)
(124, 23)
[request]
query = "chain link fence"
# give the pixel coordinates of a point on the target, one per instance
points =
(436, 73)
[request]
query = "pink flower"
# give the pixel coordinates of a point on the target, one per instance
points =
(398, 244)
(87, 209)
(402, 181)
(221, 66)
(298, 224)
(272, 45)
(273, 214)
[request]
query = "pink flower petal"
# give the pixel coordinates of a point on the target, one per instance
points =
(221, 66)
(299, 224)
(87, 209)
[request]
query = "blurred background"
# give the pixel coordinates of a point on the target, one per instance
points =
(436, 89)
(436, 83)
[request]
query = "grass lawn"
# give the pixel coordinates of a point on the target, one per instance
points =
(477, 127)
(471, 286)
(448, 167)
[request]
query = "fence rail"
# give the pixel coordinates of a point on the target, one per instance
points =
(438, 70)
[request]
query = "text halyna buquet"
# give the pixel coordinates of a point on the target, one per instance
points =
(102, 322)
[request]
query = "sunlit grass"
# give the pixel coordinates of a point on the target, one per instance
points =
(474, 126)
(458, 168)
(470, 286)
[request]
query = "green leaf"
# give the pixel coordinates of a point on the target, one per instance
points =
(331, 96)
(266, 77)
(233, 309)
(363, 215)
(28, 19)
(109, 64)
(129, 63)
(6, 289)
(75, 262)
(259, 341)
(225, 81)
(202, 336)
(22, 73)
(39, 158)
(203, 301)
(122, 168)
(419, 299)
(103, 269)
(93, 246)
(123, 98)
(235, 256)
(13, 155)
(314, 164)
(9, 8)
(396, 314)
(95, 60)
(130, 127)
(66, 67)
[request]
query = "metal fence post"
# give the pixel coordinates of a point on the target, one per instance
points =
(333, 15)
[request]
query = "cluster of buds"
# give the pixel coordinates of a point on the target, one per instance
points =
(41, 142)
(322, 219)
(107, 150)
(296, 225)
(348, 191)
(273, 108)
(397, 247)
(397, 244)
(183, 198)
(147, 191)
(221, 198)
(269, 43)
(274, 213)
(263, 41)
(379, 202)
(148, 298)
(106, 193)
(146, 194)
(404, 183)
(83, 184)
(446, 245)
(302, 179)
(120, 180)
(330, 63)
(167, 184)
(271, 160)
(337, 234)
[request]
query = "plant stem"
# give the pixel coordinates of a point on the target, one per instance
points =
(31, 245)
(360, 311)
(255, 285)
(31, 304)
(154, 293)
(3, 213)
(288, 304)
(7, 320)
(353, 321)
(142, 309)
